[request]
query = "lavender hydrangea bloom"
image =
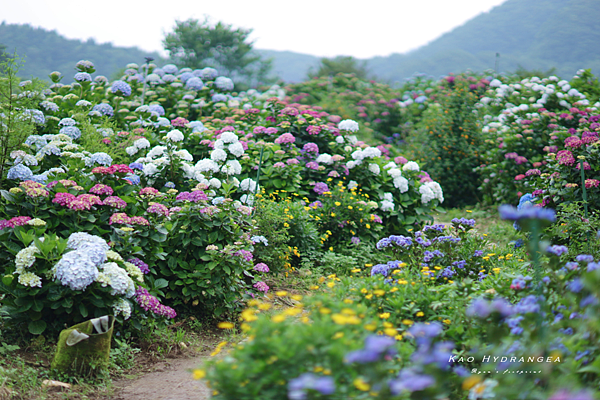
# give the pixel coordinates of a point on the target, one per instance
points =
(380, 269)
(194, 83)
(170, 69)
(218, 97)
(79, 239)
(136, 165)
(186, 76)
(20, 171)
(76, 270)
(72, 131)
(584, 258)
(156, 108)
(122, 87)
(95, 251)
(140, 264)
(512, 214)
(479, 308)
(208, 73)
(575, 285)
(375, 348)
(101, 158)
(297, 387)
(321, 187)
(104, 109)
(409, 380)
(557, 250)
(464, 221)
(224, 83)
(83, 77)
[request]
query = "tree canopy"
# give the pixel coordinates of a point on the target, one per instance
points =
(196, 44)
(343, 64)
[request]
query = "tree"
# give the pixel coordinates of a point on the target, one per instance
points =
(196, 44)
(340, 64)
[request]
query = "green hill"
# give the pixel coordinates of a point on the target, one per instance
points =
(46, 51)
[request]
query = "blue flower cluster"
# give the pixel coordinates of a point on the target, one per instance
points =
(170, 69)
(218, 97)
(197, 126)
(83, 77)
(208, 73)
(36, 140)
(513, 214)
(397, 240)
(103, 109)
(260, 239)
(72, 131)
(430, 255)
(157, 108)
(297, 387)
(184, 77)
(20, 171)
(121, 87)
(101, 158)
(436, 227)
(194, 83)
(224, 83)
(376, 347)
(464, 222)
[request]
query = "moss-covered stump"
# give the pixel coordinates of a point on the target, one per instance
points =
(84, 349)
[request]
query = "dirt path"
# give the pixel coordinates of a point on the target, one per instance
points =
(172, 380)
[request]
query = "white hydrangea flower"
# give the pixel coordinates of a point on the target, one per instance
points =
(79, 239)
(388, 196)
(436, 189)
(25, 258)
(371, 152)
(142, 143)
(374, 168)
(113, 256)
(351, 164)
(357, 154)
(150, 169)
(352, 185)
(218, 155)
(206, 165)
(401, 183)
(411, 166)
(175, 135)
(188, 171)
(229, 137)
(426, 194)
(122, 307)
(118, 280)
(131, 150)
(389, 165)
(248, 185)
(232, 167)
(184, 155)
(236, 149)
(348, 125)
(339, 139)
(247, 199)
(324, 159)
(214, 182)
(219, 144)
(394, 172)
(134, 272)
(156, 151)
(352, 139)
(30, 279)
(387, 206)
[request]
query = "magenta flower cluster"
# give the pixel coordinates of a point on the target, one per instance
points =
(140, 264)
(151, 303)
(101, 189)
(157, 208)
(194, 196)
(285, 138)
(261, 267)
(15, 221)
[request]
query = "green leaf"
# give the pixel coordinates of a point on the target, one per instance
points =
(36, 327)
(7, 279)
(83, 310)
(160, 283)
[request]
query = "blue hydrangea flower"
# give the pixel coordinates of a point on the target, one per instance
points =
(209, 73)
(136, 165)
(197, 126)
(156, 108)
(36, 140)
(260, 239)
(297, 387)
(194, 83)
(67, 122)
(72, 131)
(409, 380)
(76, 270)
(217, 200)
(101, 80)
(83, 77)
(218, 97)
(168, 78)
(20, 171)
(49, 106)
(104, 109)
(134, 179)
(136, 77)
(159, 71)
(122, 87)
(380, 269)
(184, 77)
(49, 149)
(85, 66)
(95, 251)
(40, 178)
(101, 158)
(78, 239)
(36, 115)
(170, 69)
(224, 83)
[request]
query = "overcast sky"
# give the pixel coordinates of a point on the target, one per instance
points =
(324, 28)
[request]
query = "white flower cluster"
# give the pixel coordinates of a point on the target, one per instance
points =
(122, 306)
(175, 136)
(117, 278)
(359, 155)
(76, 270)
(25, 259)
(248, 185)
(134, 272)
(374, 168)
(430, 191)
(411, 166)
(387, 204)
(348, 125)
(324, 159)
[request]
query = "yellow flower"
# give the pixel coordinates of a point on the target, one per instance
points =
(360, 384)
(369, 296)
(330, 284)
(420, 314)
(278, 318)
(390, 332)
(337, 203)
(314, 287)
(293, 311)
(368, 265)
(348, 301)
(199, 374)
(355, 270)
(407, 322)
(327, 372)
(471, 381)
(368, 226)
(364, 290)
(324, 310)
(398, 337)
(447, 321)
(394, 289)
(384, 315)
(338, 335)
(469, 211)
(379, 292)
(297, 297)
(349, 207)
(127, 229)
(281, 293)
(331, 248)
(225, 325)
(248, 315)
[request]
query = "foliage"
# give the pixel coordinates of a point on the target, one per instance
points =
(341, 64)
(196, 44)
